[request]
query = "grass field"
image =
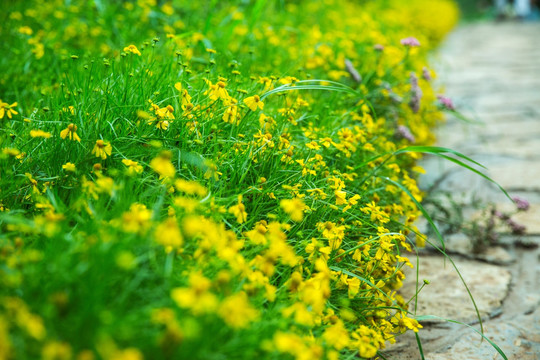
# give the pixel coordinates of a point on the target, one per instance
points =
(212, 180)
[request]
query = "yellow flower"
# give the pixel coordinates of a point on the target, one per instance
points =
(217, 91)
(337, 335)
(163, 115)
(128, 354)
(354, 286)
(402, 323)
(186, 98)
(105, 185)
(340, 197)
(237, 311)
(56, 351)
(25, 30)
(197, 296)
(231, 114)
(168, 234)
(211, 170)
(70, 132)
(102, 149)
(257, 235)
(239, 210)
(137, 219)
(313, 145)
(133, 167)
(70, 109)
(254, 102)
(163, 166)
(40, 133)
(190, 187)
(132, 49)
(294, 208)
(69, 167)
(6, 109)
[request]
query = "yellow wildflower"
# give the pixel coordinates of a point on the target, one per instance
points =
(168, 234)
(70, 132)
(70, 109)
(354, 286)
(300, 313)
(211, 170)
(6, 109)
(402, 323)
(340, 197)
(186, 98)
(257, 235)
(132, 49)
(294, 208)
(128, 354)
(196, 297)
(5, 344)
(237, 311)
(105, 185)
(125, 260)
(217, 91)
(163, 166)
(231, 114)
(137, 219)
(26, 30)
(163, 116)
(254, 102)
(313, 145)
(133, 167)
(40, 133)
(102, 149)
(56, 351)
(69, 167)
(337, 335)
(326, 142)
(239, 210)
(190, 187)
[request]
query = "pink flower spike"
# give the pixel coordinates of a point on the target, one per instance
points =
(521, 204)
(446, 102)
(410, 41)
(426, 74)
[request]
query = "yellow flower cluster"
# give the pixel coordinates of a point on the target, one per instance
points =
(202, 182)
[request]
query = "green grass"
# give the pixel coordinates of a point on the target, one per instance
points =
(207, 180)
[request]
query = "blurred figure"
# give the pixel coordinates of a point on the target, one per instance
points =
(522, 8)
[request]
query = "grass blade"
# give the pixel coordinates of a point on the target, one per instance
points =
(481, 333)
(421, 208)
(419, 346)
(441, 152)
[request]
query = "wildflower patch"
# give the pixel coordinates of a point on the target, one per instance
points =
(179, 181)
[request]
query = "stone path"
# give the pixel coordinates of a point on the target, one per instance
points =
(492, 72)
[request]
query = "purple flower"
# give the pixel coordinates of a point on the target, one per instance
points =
(521, 204)
(416, 93)
(410, 41)
(517, 229)
(403, 132)
(378, 47)
(446, 102)
(426, 74)
(500, 215)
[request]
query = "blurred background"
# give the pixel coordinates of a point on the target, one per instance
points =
(487, 9)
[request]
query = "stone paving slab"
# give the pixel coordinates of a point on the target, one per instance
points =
(447, 297)
(492, 72)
